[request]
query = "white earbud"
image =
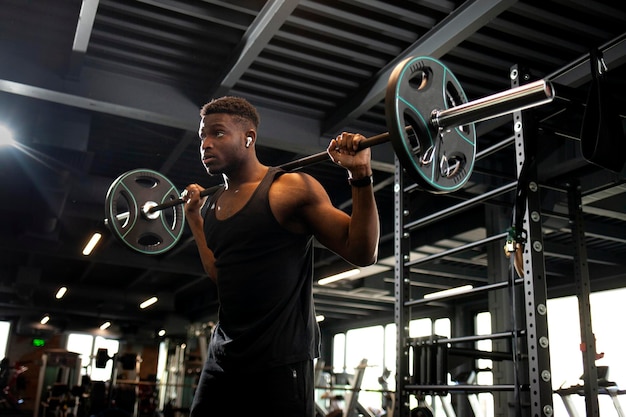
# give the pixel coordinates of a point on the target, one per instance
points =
(248, 141)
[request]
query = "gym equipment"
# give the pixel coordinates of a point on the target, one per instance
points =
(417, 87)
(128, 202)
(605, 387)
(602, 139)
(60, 370)
(352, 396)
(10, 385)
(350, 399)
(122, 393)
(431, 129)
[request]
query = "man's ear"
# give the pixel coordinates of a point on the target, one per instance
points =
(250, 137)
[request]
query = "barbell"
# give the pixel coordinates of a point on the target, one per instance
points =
(431, 129)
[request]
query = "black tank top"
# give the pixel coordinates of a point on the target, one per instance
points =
(266, 314)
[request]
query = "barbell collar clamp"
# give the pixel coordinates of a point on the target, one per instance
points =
(148, 210)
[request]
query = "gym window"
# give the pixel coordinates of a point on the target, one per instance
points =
(87, 346)
(5, 333)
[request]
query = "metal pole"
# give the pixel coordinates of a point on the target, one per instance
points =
(516, 99)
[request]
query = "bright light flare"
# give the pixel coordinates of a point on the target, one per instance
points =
(338, 277)
(449, 292)
(92, 243)
(61, 292)
(6, 137)
(148, 302)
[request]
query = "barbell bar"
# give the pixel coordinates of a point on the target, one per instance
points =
(530, 95)
(431, 128)
(289, 166)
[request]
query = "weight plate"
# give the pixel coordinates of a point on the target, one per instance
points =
(440, 160)
(131, 224)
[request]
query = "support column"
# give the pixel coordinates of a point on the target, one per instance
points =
(534, 277)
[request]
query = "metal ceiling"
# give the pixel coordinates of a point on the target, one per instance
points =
(95, 88)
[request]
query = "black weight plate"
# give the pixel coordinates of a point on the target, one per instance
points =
(439, 160)
(124, 216)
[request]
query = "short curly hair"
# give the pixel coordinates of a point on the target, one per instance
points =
(236, 106)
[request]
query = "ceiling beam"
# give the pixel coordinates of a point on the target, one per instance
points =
(258, 35)
(455, 28)
(132, 98)
(84, 27)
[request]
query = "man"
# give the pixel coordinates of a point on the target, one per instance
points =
(255, 241)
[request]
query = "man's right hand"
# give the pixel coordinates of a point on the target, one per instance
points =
(193, 200)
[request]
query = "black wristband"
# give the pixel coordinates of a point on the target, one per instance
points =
(361, 182)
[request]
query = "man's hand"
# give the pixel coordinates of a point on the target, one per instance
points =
(193, 200)
(344, 151)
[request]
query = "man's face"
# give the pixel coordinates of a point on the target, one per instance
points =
(222, 143)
